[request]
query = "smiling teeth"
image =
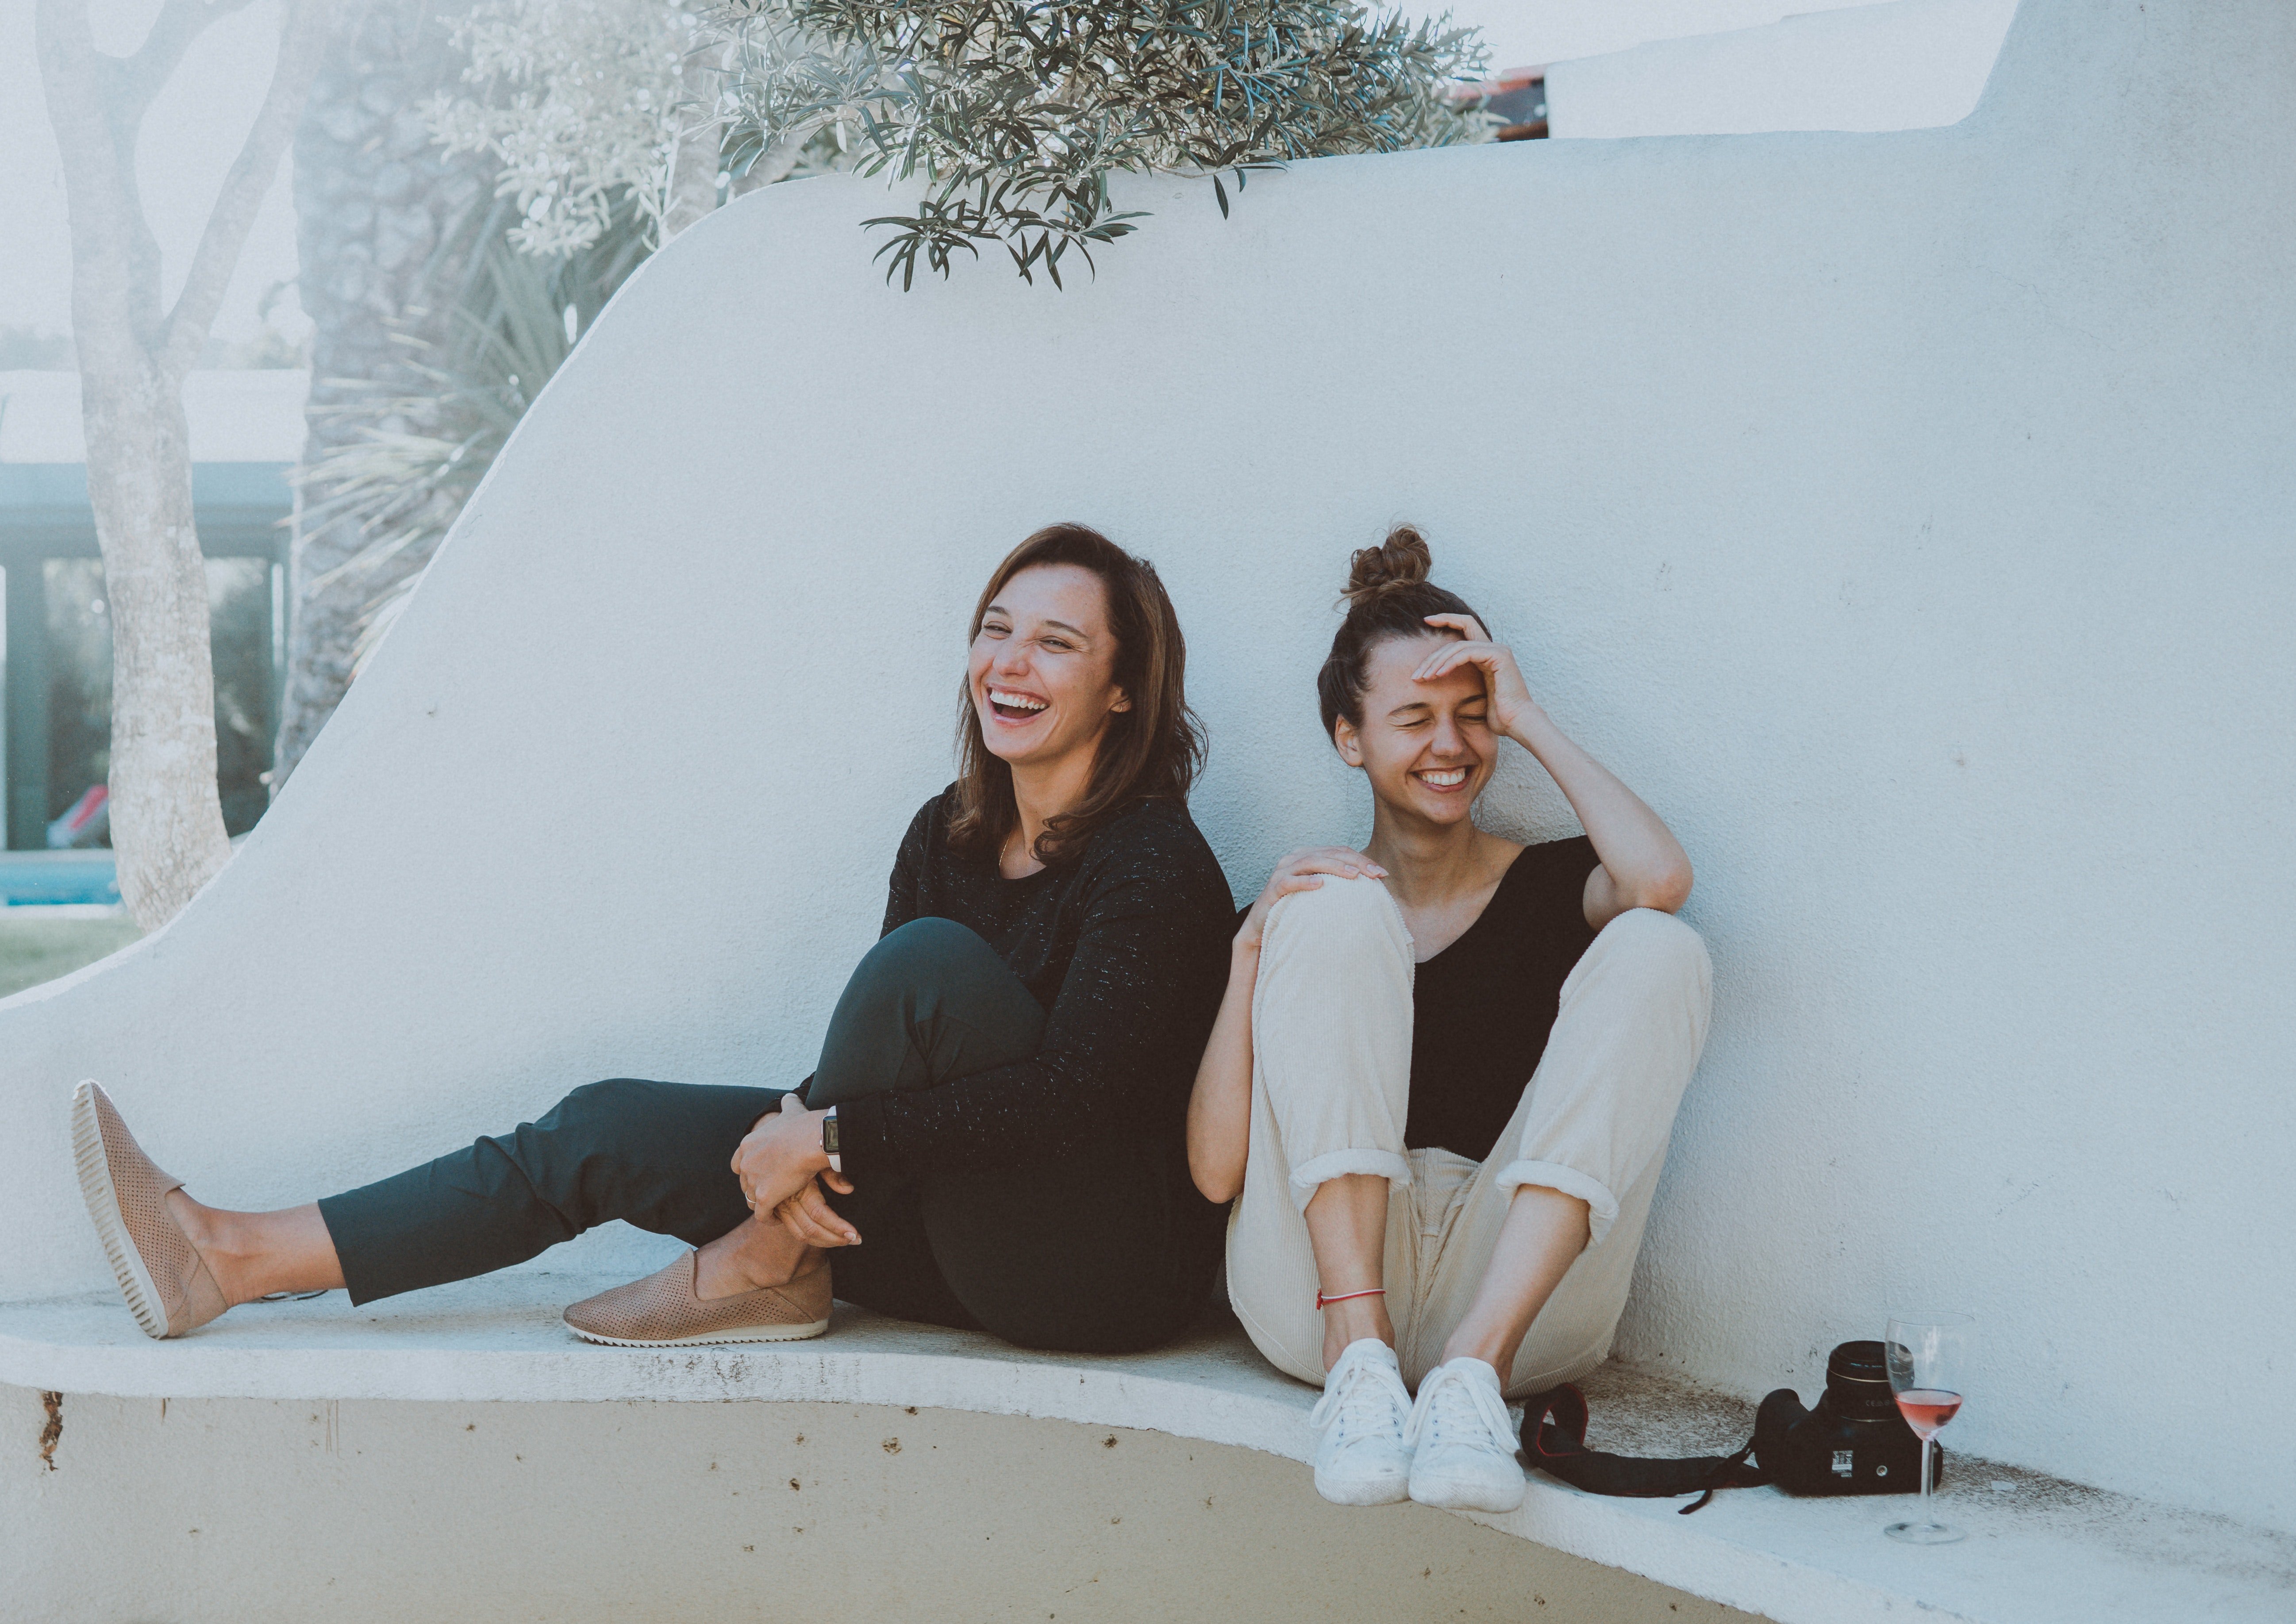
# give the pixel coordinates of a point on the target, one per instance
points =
(1445, 780)
(1013, 701)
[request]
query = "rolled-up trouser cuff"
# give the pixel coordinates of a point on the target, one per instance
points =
(1309, 1176)
(1601, 1206)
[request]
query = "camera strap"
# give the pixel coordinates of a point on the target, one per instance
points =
(1554, 1441)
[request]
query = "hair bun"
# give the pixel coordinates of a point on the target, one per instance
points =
(1401, 560)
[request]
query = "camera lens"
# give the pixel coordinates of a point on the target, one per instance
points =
(1857, 1378)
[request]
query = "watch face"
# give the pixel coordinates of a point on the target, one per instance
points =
(829, 1135)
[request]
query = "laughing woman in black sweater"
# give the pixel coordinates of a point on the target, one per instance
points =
(993, 1139)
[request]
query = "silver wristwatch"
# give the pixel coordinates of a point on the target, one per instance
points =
(829, 1140)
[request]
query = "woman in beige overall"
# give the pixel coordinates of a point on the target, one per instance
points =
(1446, 1067)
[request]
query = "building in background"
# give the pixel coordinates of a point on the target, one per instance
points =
(1603, 68)
(247, 433)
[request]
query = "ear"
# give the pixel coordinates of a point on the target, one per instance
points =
(1347, 740)
(1122, 702)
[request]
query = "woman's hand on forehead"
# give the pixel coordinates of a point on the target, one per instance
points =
(1466, 626)
(1510, 696)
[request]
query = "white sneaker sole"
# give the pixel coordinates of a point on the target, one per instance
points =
(1469, 1496)
(97, 1189)
(746, 1333)
(1364, 1494)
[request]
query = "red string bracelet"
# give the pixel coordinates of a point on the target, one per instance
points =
(1377, 1290)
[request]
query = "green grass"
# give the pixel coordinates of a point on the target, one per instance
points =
(33, 951)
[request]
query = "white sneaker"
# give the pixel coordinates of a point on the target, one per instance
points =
(1362, 1459)
(1464, 1440)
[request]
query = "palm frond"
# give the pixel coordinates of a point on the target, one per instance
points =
(388, 492)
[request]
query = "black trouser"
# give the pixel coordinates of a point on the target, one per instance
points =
(1101, 1253)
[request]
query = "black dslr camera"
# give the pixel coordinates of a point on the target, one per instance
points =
(1854, 1442)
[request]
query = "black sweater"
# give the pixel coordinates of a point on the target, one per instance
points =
(1123, 945)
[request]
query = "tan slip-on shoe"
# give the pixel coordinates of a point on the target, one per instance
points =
(168, 1287)
(662, 1310)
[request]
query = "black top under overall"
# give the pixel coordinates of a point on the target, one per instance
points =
(1010, 1064)
(1481, 1009)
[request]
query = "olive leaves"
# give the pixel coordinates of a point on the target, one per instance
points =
(1016, 114)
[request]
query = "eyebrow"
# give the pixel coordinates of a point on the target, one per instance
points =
(1421, 704)
(999, 608)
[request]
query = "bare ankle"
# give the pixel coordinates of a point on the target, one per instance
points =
(1353, 1321)
(208, 1233)
(1500, 1360)
(194, 1221)
(753, 1256)
(253, 1254)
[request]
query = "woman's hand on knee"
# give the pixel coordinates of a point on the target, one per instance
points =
(809, 1216)
(779, 1156)
(1299, 871)
(1219, 1106)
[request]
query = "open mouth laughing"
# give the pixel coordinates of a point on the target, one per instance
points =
(1010, 705)
(1442, 778)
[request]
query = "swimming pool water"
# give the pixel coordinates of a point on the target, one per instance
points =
(34, 879)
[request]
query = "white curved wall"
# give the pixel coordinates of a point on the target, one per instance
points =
(1522, 32)
(1904, 515)
(1905, 64)
(752, 1514)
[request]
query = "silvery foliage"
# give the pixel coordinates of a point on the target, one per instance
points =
(581, 102)
(1015, 112)
(586, 104)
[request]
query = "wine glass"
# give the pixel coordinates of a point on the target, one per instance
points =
(1928, 1355)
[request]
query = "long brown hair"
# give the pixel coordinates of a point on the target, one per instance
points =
(1388, 596)
(1155, 747)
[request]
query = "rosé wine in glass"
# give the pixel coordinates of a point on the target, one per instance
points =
(1928, 1355)
(1927, 1409)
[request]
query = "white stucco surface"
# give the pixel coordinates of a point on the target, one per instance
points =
(2037, 1552)
(1531, 32)
(1906, 516)
(1907, 64)
(740, 1511)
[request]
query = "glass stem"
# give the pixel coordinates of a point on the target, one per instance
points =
(1927, 1443)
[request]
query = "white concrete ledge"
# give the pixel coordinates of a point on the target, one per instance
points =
(2040, 1551)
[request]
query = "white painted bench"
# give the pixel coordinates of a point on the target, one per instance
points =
(2040, 1551)
(1897, 506)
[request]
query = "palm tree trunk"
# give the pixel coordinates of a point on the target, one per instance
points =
(377, 206)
